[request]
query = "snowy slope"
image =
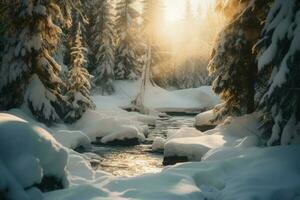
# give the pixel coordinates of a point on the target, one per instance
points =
(235, 132)
(28, 153)
(158, 98)
(268, 173)
(229, 172)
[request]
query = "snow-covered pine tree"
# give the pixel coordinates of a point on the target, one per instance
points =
(192, 73)
(3, 24)
(79, 86)
(29, 73)
(279, 72)
(126, 55)
(102, 46)
(78, 16)
(233, 62)
(232, 7)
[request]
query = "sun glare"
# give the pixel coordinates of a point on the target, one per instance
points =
(175, 9)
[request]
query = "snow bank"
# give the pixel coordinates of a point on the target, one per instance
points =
(109, 128)
(80, 170)
(205, 118)
(184, 132)
(61, 132)
(28, 153)
(234, 132)
(158, 144)
(107, 124)
(257, 173)
(72, 139)
(158, 98)
(193, 147)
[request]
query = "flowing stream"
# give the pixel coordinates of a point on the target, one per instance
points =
(139, 159)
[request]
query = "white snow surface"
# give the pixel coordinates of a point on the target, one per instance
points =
(205, 118)
(235, 171)
(27, 154)
(231, 166)
(159, 98)
(256, 173)
(110, 127)
(234, 132)
(72, 139)
(158, 144)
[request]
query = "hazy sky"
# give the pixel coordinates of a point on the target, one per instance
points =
(175, 8)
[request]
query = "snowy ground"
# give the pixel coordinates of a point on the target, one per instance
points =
(232, 165)
(230, 173)
(160, 99)
(246, 174)
(193, 144)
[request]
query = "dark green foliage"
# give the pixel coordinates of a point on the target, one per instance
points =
(279, 72)
(101, 43)
(79, 87)
(126, 54)
(233, 62)
(29, 74)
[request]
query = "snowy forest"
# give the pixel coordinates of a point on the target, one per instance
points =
(149, 99)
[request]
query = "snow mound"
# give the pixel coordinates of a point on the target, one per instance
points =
(158, 144)
(80, 170)
(205, 118)
(193, 147)
(158, 98)
(72, 139)
(27, 148)
(234, 132)
(109, 128)
(184, 132)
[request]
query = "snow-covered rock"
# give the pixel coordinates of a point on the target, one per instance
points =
(72, 139)
(193, 147)
(234, 132)
(80, 170)
(108, 129)
(28, 153)
(205, 120)
(158, 144)
(183, 132)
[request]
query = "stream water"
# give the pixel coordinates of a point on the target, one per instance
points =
(139, 159)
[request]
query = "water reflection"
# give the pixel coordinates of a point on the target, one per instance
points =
(139, 160)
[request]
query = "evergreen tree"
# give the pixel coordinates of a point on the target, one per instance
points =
(78, 82)
(126, 56)
(3, 24)
(233, 63)
(29, 73)
(102, 46)
(192, 73)
(232, 7)
(78, 16)
(279, 72)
